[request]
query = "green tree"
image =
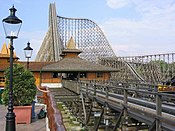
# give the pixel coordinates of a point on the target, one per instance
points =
(24, 88)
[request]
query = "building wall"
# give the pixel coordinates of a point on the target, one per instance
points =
(47, 77)
(93, 76)
(2, 61)
(70, 55)
(2, 79)
(37, 78)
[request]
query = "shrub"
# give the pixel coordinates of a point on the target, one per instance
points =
(24, 88)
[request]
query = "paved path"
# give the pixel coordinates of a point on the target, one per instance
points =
(36, 125)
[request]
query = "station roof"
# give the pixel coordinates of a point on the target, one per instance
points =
(77, 64)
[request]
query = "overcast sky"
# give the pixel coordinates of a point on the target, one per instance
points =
(132, 27)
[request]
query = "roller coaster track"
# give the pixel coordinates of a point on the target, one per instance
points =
(139, 108)
(134, 71)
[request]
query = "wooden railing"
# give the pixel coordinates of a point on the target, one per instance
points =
(71, 85)
(42, 94)
(54, 115)
(146, 97)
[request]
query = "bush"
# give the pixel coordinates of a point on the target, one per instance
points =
(24, 88)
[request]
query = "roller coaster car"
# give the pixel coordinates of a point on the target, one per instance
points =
(168, 86)
(166, 89)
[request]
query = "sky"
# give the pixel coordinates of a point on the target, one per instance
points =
(132, 27)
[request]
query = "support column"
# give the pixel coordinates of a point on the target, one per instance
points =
(125, 114)
(125, 102)
(106, 117)
(96, 109)
(158, 111)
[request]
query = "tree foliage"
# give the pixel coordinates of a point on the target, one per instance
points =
(24, 88)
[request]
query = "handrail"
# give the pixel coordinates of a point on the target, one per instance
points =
(54, 115)
(44, 90)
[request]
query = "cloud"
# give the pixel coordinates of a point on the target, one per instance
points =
(153, 32)
(117, 3)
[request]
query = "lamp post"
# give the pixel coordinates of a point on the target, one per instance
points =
(12, 25)
(28, 53)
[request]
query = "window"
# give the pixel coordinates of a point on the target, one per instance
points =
(72, 76)
(99, 75)
(2, 79)
(55, 75)
(83, 75)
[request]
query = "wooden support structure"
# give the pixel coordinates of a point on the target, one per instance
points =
(158, 111)
(99, 120)
(125, 99)
(105, 103)
(89, 114)
(153, 126)
(118, 120)
(84, 108)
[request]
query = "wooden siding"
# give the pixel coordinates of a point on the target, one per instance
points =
(37, 78)
(47, 77)
(93, 76)
(70, 55)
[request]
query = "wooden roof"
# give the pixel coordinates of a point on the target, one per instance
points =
(33, 66)
(77, 64)
(71, 47)
(71, 44)
(5, 52)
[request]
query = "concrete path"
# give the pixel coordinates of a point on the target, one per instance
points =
(36, 125)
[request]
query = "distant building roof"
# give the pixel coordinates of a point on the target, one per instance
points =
(5, 52)
(4, 49)
(35, 66)
(77, 64)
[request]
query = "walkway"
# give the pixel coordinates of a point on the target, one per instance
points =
(36, 125)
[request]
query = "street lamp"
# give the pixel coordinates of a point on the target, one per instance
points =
(12, 27)
(28, 53)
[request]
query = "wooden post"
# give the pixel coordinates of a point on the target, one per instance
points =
(99, 119)
(107, 92)
(87, 89)
(106, 109)
(95, 90)
(125, 101)
(106, 117)
(125, 114)
(158, 111)
(40, 78)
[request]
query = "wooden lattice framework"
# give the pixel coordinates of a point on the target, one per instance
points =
(88, 37)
